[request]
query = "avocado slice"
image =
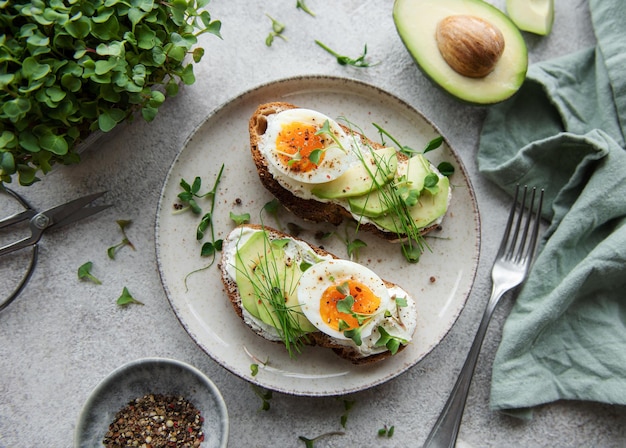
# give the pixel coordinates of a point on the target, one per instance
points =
(534, 16)
(428, 209)
(418, 23)
(373, 204)
(263, 267)
(378, 202)
(376, 168)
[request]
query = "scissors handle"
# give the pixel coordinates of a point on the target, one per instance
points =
(18, 217)
(17, 245)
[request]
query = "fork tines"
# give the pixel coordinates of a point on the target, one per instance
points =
(519, 249)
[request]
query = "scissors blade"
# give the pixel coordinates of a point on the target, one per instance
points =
(65, 214)
(81, 214)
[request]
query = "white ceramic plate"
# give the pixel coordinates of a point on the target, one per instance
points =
(152, 376)
(440, 282)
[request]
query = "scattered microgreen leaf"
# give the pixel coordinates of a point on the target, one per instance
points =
(126, 298)
(310, 443)
(446, 168)
(277, 31)
(430, 183)
(209, 248)
(264, 394)
(280, 242)
(386, 431)
(411, 251)
(353, 248)
(300, 4)
(191, 193)
(433, 144)
(254, 369)
(241, 218)
(359, 62)
(347, 407)
(315, 156)
(355, 335)
(401, 302)
(205, 222)
(304, 266)
(392, 343)
(84, 273)
(271, 208)
(122, 224)
(294, 229)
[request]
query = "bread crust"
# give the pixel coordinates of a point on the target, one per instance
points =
(307, 209)
(313, 339)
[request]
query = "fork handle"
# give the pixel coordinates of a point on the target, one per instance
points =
(446, 429)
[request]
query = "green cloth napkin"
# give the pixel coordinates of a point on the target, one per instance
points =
(565, 337)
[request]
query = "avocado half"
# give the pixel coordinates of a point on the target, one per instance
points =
(416, 22)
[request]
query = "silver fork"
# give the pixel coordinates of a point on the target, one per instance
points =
(509, 270)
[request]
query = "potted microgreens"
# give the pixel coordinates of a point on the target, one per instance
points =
(72, 68)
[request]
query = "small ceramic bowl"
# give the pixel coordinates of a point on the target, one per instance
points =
(156, 376)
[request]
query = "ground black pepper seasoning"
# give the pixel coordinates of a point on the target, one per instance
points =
(156, 421)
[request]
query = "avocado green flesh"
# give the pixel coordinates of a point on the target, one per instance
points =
(373, 204)
(428, 209)
(260, 266)
(416, 22)
(377, 168)
(534, 16)
(379, 202)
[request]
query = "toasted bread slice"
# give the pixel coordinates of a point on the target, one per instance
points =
(309, 209)
(316, 338)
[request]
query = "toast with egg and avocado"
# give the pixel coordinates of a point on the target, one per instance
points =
(287, 290)
(324, 171)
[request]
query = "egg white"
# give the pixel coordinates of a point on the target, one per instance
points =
(321, 276)
(337, 158)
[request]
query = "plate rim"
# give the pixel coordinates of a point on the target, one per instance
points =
(361, 85)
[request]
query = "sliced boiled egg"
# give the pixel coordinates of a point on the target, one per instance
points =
(294, 144)
(338, 296)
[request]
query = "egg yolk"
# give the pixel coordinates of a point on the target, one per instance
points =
(295, 143)
(365, 302)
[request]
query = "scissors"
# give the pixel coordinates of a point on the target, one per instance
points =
(39, 222)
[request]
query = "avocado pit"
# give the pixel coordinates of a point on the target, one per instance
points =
(470, 45)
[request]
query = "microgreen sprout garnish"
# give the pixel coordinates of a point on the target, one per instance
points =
(446, 168)
(386, 431)
(392, 343)
(271, 208)
(277, 31)
(254, 369)
(310, 443)
(347, 407)
(273, 284)
(122, 224)
(240, 218)
(264, 394)
(400, 196)
(127, 299)
(300, 4)
(189, 195)
(345, 306)
(401, 302)
(84, 273)
(359, 62)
